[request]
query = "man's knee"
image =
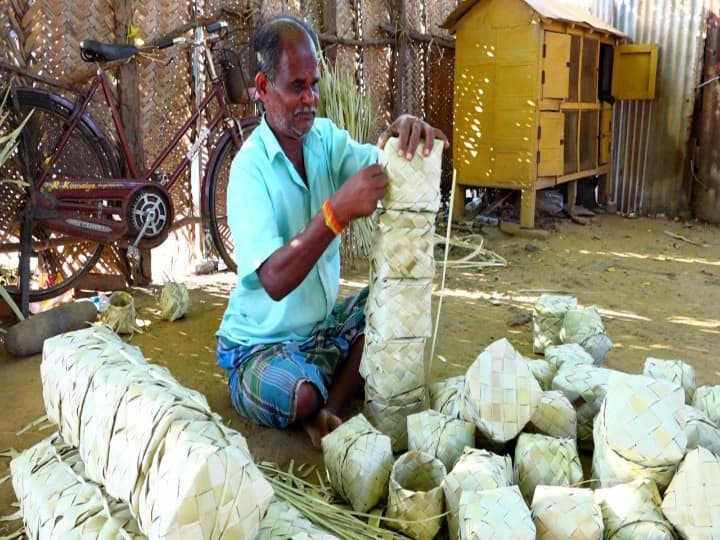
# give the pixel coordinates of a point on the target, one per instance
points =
(307, 401)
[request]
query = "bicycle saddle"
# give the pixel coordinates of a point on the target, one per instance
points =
(95, 51)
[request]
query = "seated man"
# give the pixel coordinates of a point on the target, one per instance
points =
(291, 353)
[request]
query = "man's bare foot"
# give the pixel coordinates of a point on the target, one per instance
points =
(324, 422)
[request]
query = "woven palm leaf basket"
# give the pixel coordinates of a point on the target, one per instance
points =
(585, 387)
(495, 514)
(403, 245)
(675, 371)
(692, 500)
(202, 483)
(475, 470)
(548, 314)
(58, 501)
(543, 460)
(585, 327)
(707, 399)
(174, 301)
(415, 498)
(570, 353)
(564, 512)
(543, 372)
(283, 521)
(393, 367)
(444, 395)
(414, 185)
(120, 314)
(358, 459)
(389, 415)
(555, 416)
(701, 431)
(632, 512)
(500, 393)
(440, 436)
(399, 308)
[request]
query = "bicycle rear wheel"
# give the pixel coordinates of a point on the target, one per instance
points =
(58, 261)
(219, 178)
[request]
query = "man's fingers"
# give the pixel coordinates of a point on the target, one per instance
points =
(429, 140)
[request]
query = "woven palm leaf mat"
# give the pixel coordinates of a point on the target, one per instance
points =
(415, 495)
(563, 512)
(548, 314)
(403, 245)
(700, 430)
(632, 512)
(393, 367)
(283, 520)
(500, 393)
(58, 501)
(585, 327)
(499, 513)
(439, 435)
(555, 416)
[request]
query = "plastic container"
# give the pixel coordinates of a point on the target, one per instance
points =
(488, 220)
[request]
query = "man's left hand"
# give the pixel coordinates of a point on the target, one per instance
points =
(410, 129)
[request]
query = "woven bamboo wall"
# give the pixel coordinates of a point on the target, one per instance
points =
(43, 36)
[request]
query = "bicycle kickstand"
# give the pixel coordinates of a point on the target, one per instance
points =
(25, 254)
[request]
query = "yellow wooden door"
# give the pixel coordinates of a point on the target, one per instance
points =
(556, 66)
(551, 154)
(635, 71)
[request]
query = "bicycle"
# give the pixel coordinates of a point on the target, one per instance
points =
(76, 200)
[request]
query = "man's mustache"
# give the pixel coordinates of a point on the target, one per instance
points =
(305, 110)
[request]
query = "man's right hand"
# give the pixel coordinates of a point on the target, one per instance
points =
(360, 194)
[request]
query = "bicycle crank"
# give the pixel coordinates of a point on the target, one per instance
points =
(149, 215)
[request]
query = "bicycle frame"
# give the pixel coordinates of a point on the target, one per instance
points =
(96, 208)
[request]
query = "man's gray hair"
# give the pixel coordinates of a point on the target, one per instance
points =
(266, 42)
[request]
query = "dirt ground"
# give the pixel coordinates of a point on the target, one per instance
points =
(659, 296)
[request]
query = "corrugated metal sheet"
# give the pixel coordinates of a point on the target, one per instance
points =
(650, 150)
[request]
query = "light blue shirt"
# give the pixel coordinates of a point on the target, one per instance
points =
(268, 205)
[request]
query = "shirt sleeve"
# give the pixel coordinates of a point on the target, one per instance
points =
(251, 219)
(347, 156)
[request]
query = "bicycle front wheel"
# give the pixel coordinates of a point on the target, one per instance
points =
(219, 178)
(58, 261)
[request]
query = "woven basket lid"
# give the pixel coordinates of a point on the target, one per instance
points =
(572, 353)
(548, 314)
(444, 395)
(403, 244)
(412, 185)
(543, 372)
(500, 393)
(393, 367)
(543, 460)
(283, 521)
(675, 371)
(494, 514)
(701, 431)
(389, 415)
(439, 435)
(692, 500)
(415, 495)
(564, 512)
(399, 308)
(555, 416)
(585, 327)
(707, 399)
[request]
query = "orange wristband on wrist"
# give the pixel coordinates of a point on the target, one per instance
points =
(331, 219)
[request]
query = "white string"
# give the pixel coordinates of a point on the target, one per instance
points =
(444, 269)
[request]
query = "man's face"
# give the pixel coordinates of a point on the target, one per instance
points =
(291, 100)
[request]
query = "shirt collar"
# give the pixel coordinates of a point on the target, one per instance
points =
(271, 143)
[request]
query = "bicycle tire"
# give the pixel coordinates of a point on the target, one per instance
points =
(219, 178)
(58, 260)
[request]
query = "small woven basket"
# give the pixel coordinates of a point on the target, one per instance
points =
(691, 502)
(444, 395)
(543, 460)
(548, 314)
(174, 301)
(358, 459)
(393, 367)
(585, 387)
(675, 371)
(415, 496)
(282, 521)
(500, 393)
(707, 399)
(413, 185)
(555, 416)
(475, 470)
(439, 435)
(543, 373)
(389, 414)
(399, 308)
(403, 245)
(632, 512)
(570, 353)
(585, 327)
(120, 314)
(701, 431)
(497, 514)
(563, 512)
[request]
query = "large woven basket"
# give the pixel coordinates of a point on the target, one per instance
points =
(403, 245)
(632, 512)
(415, 499)
(571, 353)
(555, 416)
(283, 521)
(543, 372)
(58, 501)
(475, 470)
(701, 431)
(500, 393)
(389, 415)
(444, 395)
(413, 185)
(691, 502)
(707, 399)
(399, 308)
(585, 387)
(439, 435)
(202, 483)
(393, 367)
(564, 512)
(585, 327)
(548, 314)
(543, 460)
(497, 514)
(358, 459)
(675, 371)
